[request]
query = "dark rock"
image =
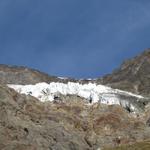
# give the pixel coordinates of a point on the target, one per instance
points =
(148, 122)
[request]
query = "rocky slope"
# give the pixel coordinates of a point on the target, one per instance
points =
(28, 124)
(24, 75)
(133, 75)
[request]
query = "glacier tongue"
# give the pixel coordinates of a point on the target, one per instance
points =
(92, 92)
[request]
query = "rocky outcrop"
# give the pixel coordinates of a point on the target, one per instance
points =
(133, 75)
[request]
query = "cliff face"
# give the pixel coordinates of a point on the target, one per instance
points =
(133, 75)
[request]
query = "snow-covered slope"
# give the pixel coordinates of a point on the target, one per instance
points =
(91, 92)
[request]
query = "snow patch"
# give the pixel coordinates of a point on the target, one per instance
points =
(62, 78)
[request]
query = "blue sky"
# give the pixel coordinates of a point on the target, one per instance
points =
(75, 38)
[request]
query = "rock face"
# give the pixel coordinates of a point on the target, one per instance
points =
(133, 75)
(69, 124)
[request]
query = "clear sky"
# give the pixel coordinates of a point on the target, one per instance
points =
(75, 38)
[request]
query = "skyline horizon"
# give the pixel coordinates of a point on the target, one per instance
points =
(24, 66)
(80, 39)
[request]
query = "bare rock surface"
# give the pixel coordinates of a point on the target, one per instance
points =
(68, 124)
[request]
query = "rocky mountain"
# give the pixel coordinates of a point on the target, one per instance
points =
(24, 76)
(42, 112)
(133, 75)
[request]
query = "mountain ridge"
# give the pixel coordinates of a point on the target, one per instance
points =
(24, 75)
(69, 122)
(133, 75)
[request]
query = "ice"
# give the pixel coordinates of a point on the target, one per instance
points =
(92, 92)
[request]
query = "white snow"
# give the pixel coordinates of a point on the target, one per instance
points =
(62, 78)
(90, 91)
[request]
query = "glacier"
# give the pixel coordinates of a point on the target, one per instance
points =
(92, 92)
